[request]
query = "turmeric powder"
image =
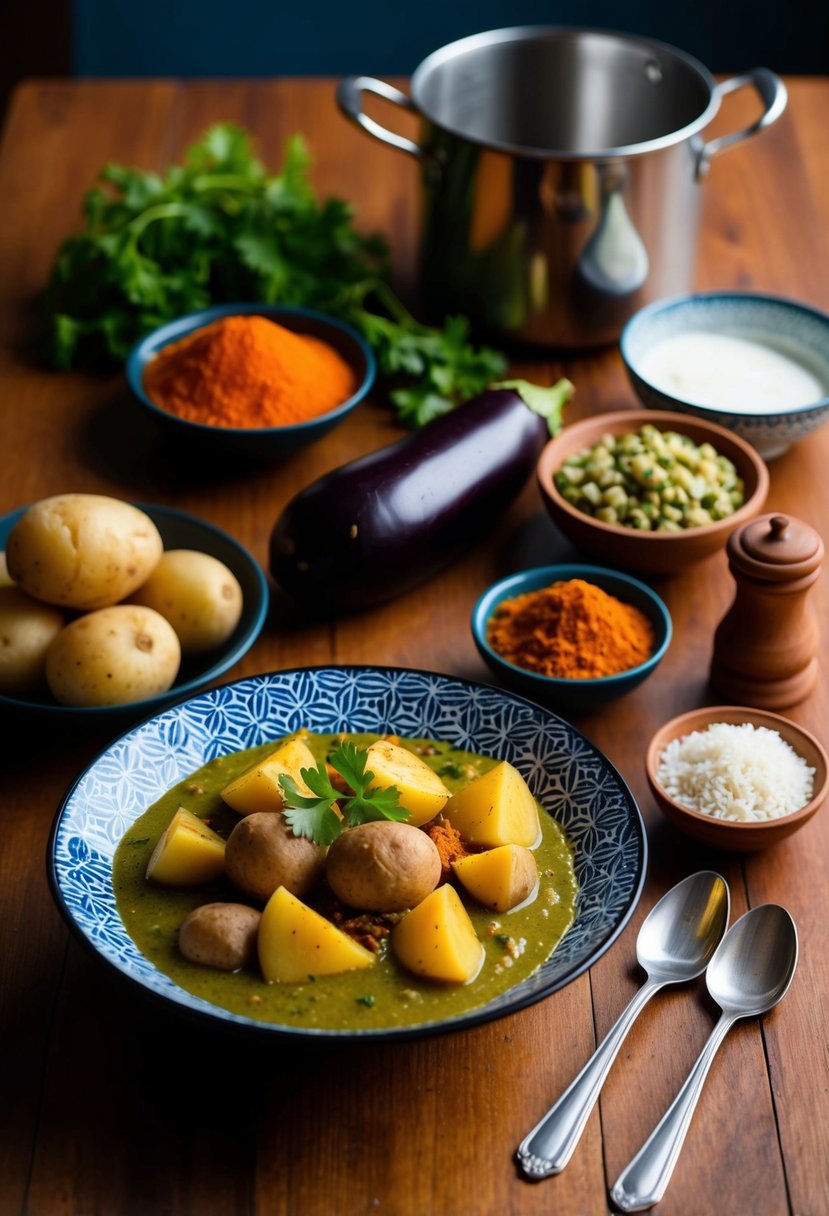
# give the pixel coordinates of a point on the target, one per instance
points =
(247, 371)
(571, 630)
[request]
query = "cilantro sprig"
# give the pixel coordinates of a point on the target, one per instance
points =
(220, 227)
(314, 817)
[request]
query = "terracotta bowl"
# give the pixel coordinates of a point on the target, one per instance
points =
(648, 552)
(723, 833)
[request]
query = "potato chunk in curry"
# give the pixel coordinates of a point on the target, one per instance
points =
(437, 940)
(496, 809)
(295, 942)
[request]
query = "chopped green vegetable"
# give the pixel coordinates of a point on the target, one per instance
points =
(652, 481)
(220, 228)
(367, 1000)
(315, 817)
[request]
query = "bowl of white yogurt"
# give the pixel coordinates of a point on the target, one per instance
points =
(758, 365)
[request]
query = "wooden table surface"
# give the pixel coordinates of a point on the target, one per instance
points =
(109, 1104)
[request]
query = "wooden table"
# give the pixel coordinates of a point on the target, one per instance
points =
(111, 1105)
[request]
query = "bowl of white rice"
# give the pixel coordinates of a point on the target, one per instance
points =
(735, 778)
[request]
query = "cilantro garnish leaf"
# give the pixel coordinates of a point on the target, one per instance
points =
(220, 227)
(315, 817)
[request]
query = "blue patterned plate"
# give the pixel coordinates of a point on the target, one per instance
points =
(572, 780)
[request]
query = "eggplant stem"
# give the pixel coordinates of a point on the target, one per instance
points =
(547, 402)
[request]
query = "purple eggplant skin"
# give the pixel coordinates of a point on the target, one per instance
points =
(373, 529)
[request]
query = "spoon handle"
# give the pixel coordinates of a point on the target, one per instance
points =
(643, 1182)
(549, 1146)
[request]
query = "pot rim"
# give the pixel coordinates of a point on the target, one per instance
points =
(520, 33)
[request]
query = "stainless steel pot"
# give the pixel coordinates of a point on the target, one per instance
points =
(561, 175)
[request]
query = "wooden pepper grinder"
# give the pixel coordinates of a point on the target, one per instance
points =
(766, 644)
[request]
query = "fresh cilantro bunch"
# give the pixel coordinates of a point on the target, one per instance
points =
(315, 817)
(219, 227)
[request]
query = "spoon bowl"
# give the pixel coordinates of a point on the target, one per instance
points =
(755, 964)
(676, 943)
(750, 972)
(681, 933)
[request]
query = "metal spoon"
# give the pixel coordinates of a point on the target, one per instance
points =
(676, 942)
(750, 972)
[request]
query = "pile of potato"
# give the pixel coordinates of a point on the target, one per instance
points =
(377, 867)
(92, 607)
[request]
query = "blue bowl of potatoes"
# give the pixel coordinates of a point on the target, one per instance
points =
(110, 609)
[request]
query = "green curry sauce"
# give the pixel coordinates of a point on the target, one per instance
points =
(382, 996)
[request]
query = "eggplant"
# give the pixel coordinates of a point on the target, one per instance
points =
(376, 527)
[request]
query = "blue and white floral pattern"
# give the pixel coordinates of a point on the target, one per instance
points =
(572, 780)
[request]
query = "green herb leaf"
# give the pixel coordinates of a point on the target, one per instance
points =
(315, 817)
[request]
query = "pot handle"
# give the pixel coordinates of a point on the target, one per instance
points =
(350, 97)
(773, 95)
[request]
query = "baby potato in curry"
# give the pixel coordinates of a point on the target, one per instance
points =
(382, 866)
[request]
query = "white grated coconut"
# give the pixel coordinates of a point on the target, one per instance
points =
(743, 773)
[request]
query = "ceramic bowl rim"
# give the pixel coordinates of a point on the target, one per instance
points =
(151, 705)
(679, 303)
(675, 421)
(706, 716)
(498, 591)
(163, 335)
(217, 1017)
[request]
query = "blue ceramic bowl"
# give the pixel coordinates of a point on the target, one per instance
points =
(571, 696)
(259, 443)
(571, 778)
(783, 325)
(178, 531)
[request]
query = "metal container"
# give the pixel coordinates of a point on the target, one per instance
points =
(561, 174)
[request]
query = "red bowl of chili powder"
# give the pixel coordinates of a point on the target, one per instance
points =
(572, 636)
(252, 379)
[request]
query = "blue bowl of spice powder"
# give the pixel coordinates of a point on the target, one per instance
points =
(250, 396)
(597, 641)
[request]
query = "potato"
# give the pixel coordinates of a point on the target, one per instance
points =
(258, 788)
(262, 854)
(113, 656)
(501, 878)
(438, 940)
(220, 935)
(82, 551)
(422, 793)
(188, 852)
(27, 630)
(383, 866)
(497, 808)
(295, 942)
(197, 594)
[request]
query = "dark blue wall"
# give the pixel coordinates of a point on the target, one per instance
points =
(269, 38)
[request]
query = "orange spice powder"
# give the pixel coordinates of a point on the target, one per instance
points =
(247, 371)
(572, 630)
(449, 845)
